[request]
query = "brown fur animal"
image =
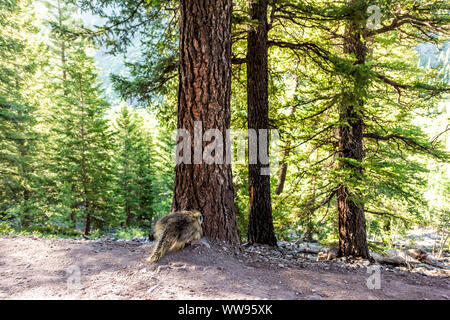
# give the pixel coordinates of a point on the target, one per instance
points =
(175, 230)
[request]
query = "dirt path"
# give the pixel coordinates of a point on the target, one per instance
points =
(36, 268)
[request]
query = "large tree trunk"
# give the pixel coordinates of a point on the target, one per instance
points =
(352, 223)
(204, 95)
(260, 228)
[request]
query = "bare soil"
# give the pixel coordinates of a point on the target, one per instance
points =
(38, 268)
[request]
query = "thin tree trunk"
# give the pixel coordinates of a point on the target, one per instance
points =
(22, 173)
(204, 95)
(63, 43)
(310, 212)
(73, 205)
(127, 213)
(128, 195)
(64, 77)
(84, 173)
(352, 223)
(87, 229)
(260, 228)
(282, 174)
(284, 165)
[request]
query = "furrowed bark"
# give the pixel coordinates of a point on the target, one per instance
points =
(260, 228)
(204, 95)
(352, 223)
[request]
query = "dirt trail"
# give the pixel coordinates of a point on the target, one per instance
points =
(36, 268)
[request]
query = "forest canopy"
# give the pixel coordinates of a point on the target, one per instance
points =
(91, 93)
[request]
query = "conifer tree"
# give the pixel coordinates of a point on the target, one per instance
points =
(19, 62)
(357, 102)
(61, 16)
(133, 168)
(82, 148)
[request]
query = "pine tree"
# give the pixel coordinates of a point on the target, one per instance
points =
(82, 149)
(60, 17)
(133, 168)
(206, 187)
(260, 229)
(357, 106)
(163, 169)
(21, 56)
